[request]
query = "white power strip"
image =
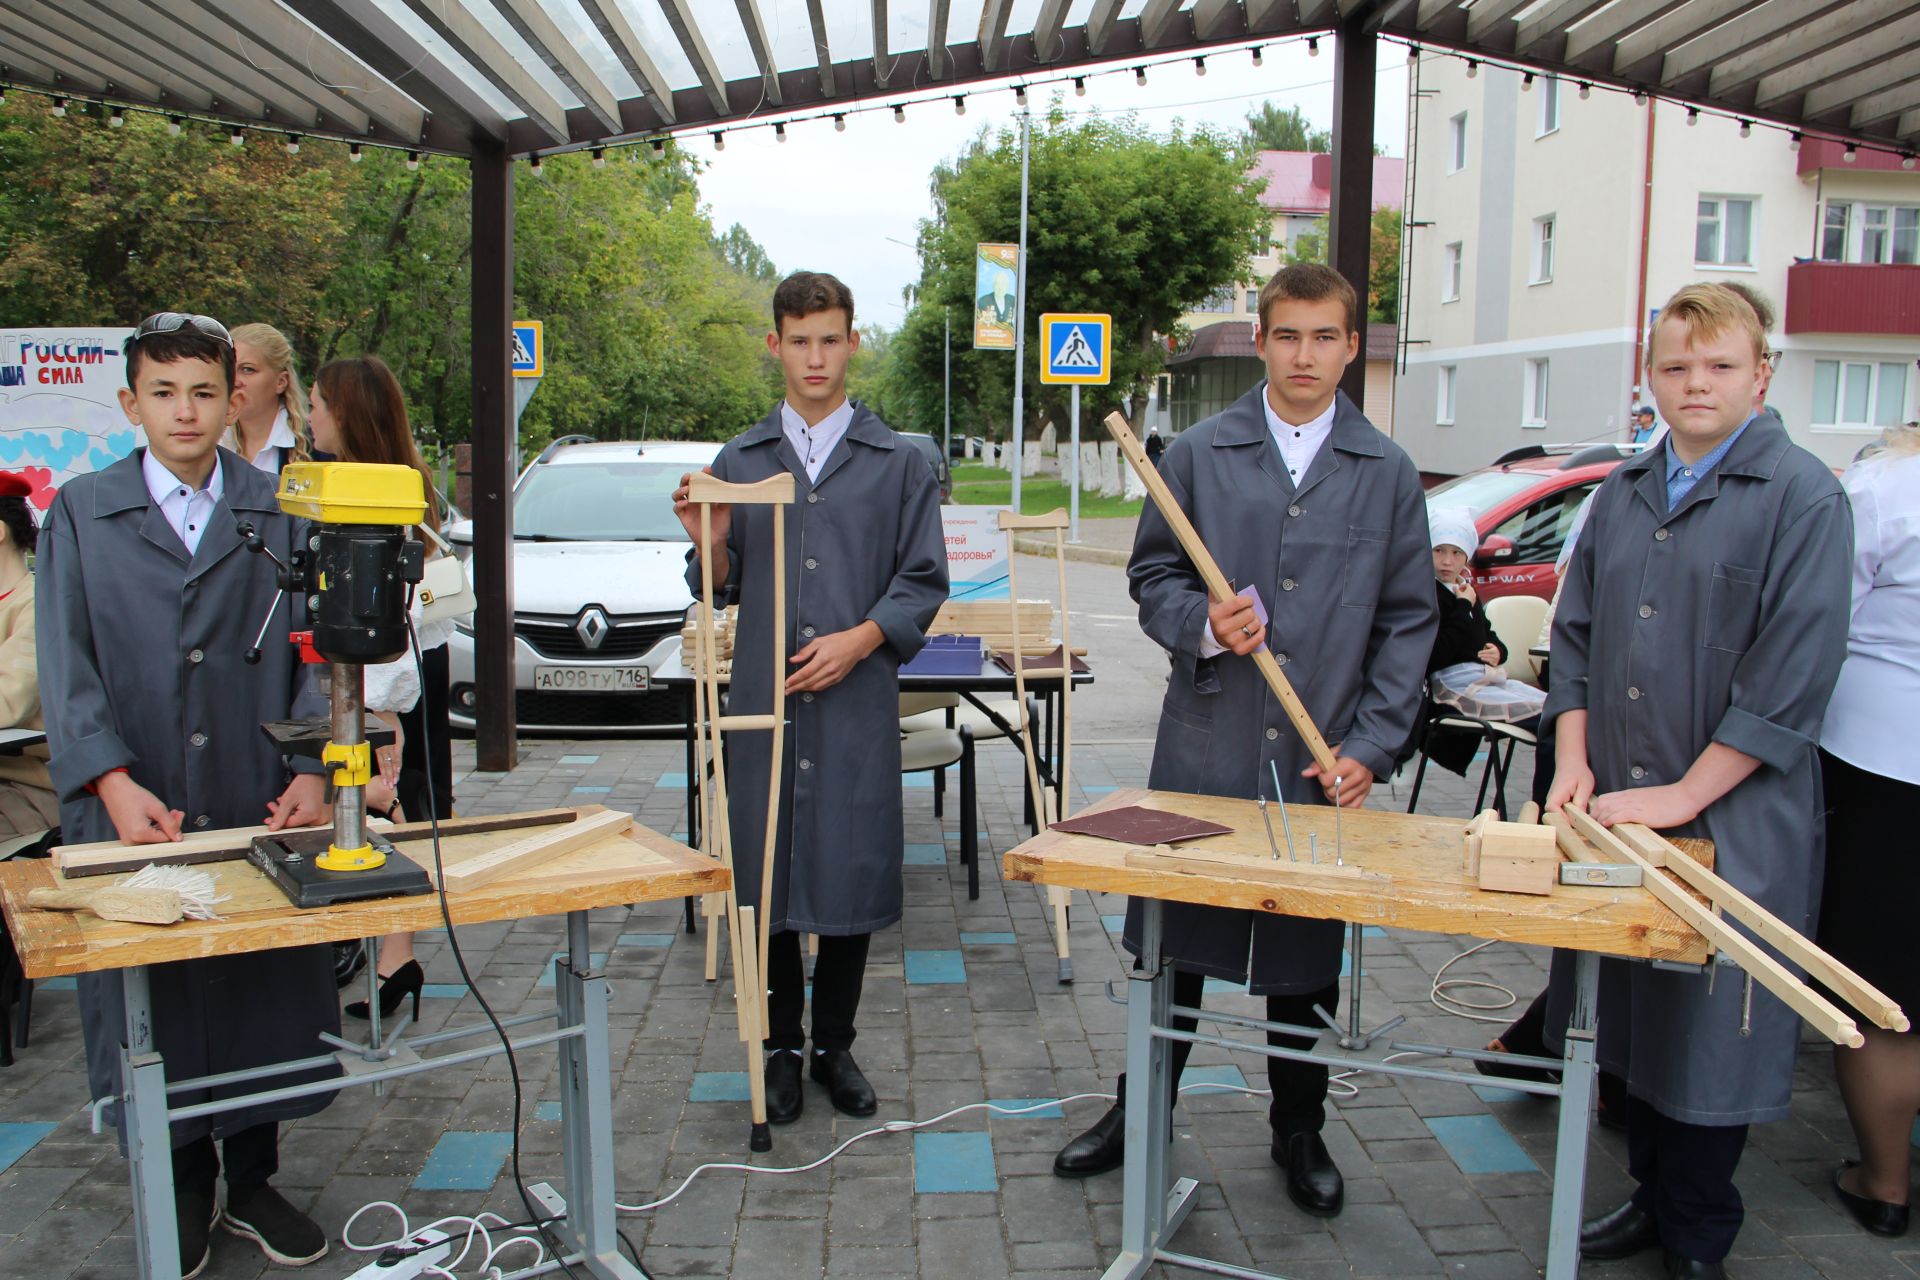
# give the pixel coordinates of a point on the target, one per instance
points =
(409, 1259)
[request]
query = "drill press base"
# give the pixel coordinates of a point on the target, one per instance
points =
(290, 860)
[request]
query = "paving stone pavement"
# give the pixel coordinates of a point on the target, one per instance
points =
(1441, 1180)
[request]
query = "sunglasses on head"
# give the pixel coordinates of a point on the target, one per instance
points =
(174, 321)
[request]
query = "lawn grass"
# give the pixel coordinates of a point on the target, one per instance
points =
(978, 485)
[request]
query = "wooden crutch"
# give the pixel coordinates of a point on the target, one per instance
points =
(747, 943)
(1050, 808)
(1217, 586)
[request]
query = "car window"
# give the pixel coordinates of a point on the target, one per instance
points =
(1481, 491)
(1537, 531)
(601, 501)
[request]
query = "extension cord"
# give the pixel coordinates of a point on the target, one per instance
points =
(429, 1248)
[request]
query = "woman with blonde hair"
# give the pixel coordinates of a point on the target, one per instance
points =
(271, 428)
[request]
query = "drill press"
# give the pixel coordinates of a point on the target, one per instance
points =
(356, 572)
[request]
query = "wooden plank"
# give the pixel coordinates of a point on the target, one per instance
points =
(773, 491)
(1822, 967)
(536, 849)
(1217, 586)
(1814, 1008)
(1054, 519)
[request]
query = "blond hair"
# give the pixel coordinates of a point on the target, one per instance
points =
(277, 352)
(1706, 311)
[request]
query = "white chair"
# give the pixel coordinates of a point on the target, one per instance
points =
(1516, 620)
(937, 748)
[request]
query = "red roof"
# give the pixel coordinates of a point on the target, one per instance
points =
(1302, 181)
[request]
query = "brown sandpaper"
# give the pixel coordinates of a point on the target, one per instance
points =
(1133, 824)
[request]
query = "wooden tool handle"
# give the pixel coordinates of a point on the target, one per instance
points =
(703, 488)
(1054, 519)
(1217, 585)
(138, 906)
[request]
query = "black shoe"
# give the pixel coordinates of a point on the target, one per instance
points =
(349, 958)
(1679, 1268)
(194, 1213)
(1877, 1216)
(846, 1086)
(784, 1100)
(1621, 1234)
(262, 1215)
(394, 989)
(1313, 1182)
(1098, 1150)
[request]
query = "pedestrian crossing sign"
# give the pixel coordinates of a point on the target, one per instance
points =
(529, 349)
(1077, 347)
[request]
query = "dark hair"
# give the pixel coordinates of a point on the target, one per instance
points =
(186, 343)
(1762, 309)
(18, 517)
(805, 292)
(368, 406)
(1308, 282)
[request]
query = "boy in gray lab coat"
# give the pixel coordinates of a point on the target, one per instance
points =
(147, 602)
(1700, 630)
(866, 573)
(1299, 497)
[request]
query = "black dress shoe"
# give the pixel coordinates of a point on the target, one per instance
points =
(1679, 1268)
(846, 1086)
(1099, 1149)
(1877, 1216)
(1313, 1182)
(784, 1100)
(194, 1213)
(1621, 1234)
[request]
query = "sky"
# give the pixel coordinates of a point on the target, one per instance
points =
(868, 186)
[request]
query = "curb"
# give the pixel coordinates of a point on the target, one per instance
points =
(1074, 551)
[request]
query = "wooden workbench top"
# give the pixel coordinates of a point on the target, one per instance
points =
(639, 866)
(1409, 876)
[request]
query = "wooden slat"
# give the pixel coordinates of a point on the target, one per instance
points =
(1055, 519)
(703, 488)
(1820, 1013)
(534, 850)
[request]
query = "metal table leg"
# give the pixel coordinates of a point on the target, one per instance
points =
(156, 1235)
(1150, 1213)
(1576, 1117)
(586, 1112)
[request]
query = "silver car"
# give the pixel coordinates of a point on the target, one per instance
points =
(599, 590)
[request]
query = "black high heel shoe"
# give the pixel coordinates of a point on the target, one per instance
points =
(394, 989)
(1877, 1216)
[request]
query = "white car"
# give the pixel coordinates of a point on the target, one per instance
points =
(599, 586)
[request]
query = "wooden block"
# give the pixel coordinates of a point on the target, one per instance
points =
(1512, 840)
(536, 849)
(1500, 874)
(775, 489)
(1471, 843)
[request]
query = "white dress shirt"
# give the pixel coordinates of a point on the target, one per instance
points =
(1299, 446)
(1876, 702)
(815, 444)
(280, 442)
(187, 509)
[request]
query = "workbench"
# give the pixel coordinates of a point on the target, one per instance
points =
(639, 866)
(1400, 871)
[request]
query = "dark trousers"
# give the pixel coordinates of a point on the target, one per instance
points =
(1299, 1088)
(252, 1158)
(1685, 1172)
(426, 748)
(839, 971)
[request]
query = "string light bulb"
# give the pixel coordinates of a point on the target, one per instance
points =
(1473, 68)
(237, 138)
(779, 132)
(1140, 76)
(3, 96)
(413, 161)
(1413, 53)
(1313, 46)
(353, 154)
(533, 164)
(1850, 153)
(1020, 95)
(174, 124)
(1793, 142)
(293, 144)
(1746, 128)
(1639, 97)
(899, 113)
(1258, 57)
(659, 146)
(1199, 66)
(1586, 91)
(839, 122)
(959, 104)
(1080, 84)
(1693, 116)
(60, 107)
(719, 140)
(1906, 161)
(599, 157)
(117, 120)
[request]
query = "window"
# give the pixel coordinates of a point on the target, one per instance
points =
(1549, 106)
(1851, 231)
(1723, 234)
(1450, 272)
(1253, 302)
(1457, 143)
(1858, 395)
(1534, 404)
(1220, 300)
(1443, 408)
(1540, 531)
(1542, 266)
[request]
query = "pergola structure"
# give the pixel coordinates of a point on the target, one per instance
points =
(496, 80)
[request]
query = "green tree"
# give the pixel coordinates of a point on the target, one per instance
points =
(1120, 221)
(1271, 129)
(744, 254)
(1383, 261)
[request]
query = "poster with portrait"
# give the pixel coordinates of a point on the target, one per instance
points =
(996, 281)
(59, 405)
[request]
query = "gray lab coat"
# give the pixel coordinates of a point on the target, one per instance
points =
(1345, 571)
(863, 542)
(141, 666)
(1724, 621)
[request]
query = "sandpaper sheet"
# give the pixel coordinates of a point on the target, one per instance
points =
(1133, 824)
(1038, 662)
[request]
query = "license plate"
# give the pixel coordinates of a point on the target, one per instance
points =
(590, 679)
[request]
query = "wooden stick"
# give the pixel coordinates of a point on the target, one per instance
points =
(1823, 968)
(1059, 895)
(1045, 809)
(771, 836)
(750, 1002)
(1824, 1017)
(1470, 846)
(1571, 845)
(1529, 814)
(708, 489)
(535, 849)
(1217, 586)
(714, 907)
(1054, 519)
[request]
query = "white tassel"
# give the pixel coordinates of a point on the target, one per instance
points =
(196, 888)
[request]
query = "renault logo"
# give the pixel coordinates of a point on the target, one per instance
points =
(592, 627)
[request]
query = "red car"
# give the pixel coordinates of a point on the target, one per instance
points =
(1523, 506)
